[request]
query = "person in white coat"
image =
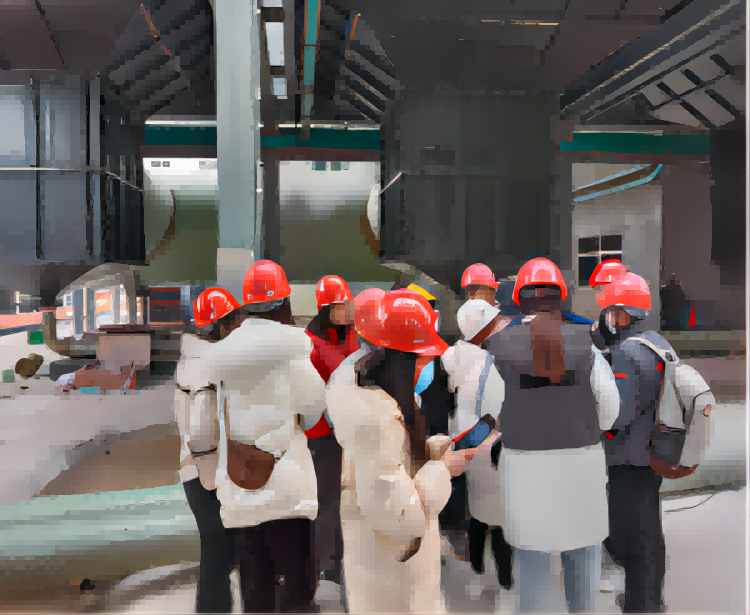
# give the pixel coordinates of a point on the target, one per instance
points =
(269, 393)
(197, 419)
(560, 396)
(479, 394)
(395, 481)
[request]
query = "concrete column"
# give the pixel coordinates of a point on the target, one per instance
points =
(561, 222)
(238, 137)
(271, 210)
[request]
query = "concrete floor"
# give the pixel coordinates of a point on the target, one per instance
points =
(52, 444)
(706, 569)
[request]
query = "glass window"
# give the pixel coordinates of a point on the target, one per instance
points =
(588, 244)
(586, 266)
(611, 243)
(319, 166)
(593, 250)
(278, 85)
(275, 43)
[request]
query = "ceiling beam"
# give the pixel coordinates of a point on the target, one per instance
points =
(49, 29)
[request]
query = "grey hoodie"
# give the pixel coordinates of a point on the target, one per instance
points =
(639, 382)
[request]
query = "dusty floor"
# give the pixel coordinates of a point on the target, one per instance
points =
(706, 574)
(142, 459)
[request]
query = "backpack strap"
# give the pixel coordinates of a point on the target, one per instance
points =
(664, 355)
(482, 382)
(669, 359)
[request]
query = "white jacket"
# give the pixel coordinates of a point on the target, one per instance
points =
(196, 414)
(272, 394)
(381, 509)
(467, 366)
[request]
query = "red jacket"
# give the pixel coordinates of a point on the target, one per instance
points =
(327, 354)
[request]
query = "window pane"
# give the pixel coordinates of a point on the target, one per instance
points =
(319, 166)
(275, 42)
(612, 257)
(278, 84)
(335, 166)
(588, 244)
(586, 266)
(611, 242)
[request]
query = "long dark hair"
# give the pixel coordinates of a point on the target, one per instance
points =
(322, 322)
(393, 371)
(282, 314)
(547, 341)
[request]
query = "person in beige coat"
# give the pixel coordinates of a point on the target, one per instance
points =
(195, 407)
(395, 481)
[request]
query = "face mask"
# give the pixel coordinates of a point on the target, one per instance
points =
(425, 378)
(609, 321)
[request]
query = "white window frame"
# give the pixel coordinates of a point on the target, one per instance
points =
(598, 253)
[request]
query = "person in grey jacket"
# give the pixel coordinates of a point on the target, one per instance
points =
(560, 395)
(636, 539)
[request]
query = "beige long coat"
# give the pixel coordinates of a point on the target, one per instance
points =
(384, 509)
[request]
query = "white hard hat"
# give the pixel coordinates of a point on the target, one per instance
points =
(474, 316)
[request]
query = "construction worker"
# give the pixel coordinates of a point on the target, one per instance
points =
(197, 419)
(395, 480)
(269, 393)
(479, 393)
(560, 396)
(334, 338)
(479, 282)
(636, 539)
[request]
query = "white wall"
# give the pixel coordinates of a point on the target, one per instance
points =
(586, 174)
(636, 215)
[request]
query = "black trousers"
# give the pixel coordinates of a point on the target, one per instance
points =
(502, 552)
(455, 514)
(217, 550)
(269, 551)
(636, 539)
(328, 544)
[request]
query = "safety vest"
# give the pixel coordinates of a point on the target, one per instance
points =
(537, 414)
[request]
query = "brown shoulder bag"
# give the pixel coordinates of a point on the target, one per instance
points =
(248, 467)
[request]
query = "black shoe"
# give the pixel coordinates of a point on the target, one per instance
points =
(334, 576)
(477, 541)
(621, 602)
(502, 553)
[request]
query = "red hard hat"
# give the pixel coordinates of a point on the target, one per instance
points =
(479, 275)
(539, 271)
(212, 304)
(332, 289)
(404, 321)
(605, 272)
(366, 306)
(265, 281)
(628, 290)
